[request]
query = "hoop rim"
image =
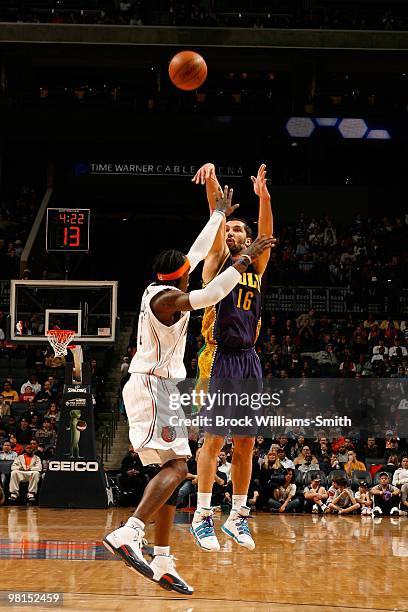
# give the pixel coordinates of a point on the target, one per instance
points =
(55, 332)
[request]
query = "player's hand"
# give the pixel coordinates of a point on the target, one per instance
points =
(258, 246)
(205, 172)
(223, 201)
(259, 183)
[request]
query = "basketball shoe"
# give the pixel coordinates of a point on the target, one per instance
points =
(166, 575)
(236, 527)
(127, 543)
(202, 529)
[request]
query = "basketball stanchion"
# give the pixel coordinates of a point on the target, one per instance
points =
(74, 478)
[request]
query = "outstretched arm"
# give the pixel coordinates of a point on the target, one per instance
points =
(205, 240)
(166, 303)
(219, 250)
(265, 218)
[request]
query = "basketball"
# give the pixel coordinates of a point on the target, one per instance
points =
(81, 425)
(188, 70)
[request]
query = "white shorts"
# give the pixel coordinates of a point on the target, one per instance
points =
(147, 403)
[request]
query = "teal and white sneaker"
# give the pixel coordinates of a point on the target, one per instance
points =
(236, 527)
(202, 529)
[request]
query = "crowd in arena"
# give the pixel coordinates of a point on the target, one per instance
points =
(17, 212)
(208, 13)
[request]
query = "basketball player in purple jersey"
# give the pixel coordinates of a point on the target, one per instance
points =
(230, 330)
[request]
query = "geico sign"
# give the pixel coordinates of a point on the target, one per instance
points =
(73, 466)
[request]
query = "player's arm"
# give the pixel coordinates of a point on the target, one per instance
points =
(167, 303)
(203, 243)
(219, 250)
(265, 217)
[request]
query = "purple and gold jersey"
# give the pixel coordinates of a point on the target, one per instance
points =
(233, 324)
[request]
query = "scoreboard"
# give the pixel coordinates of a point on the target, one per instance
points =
(68, 229)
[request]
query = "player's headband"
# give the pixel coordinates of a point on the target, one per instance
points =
(176, 274)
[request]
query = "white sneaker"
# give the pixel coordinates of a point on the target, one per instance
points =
(202, 529)
(364, 511)
(315, 509)
(166, 575)
(396, 510)
(377, 511)
(127, 542)
(236, 526)
(323, 507)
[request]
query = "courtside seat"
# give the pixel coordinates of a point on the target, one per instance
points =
(358, 476)
(337, 474)
(310, 475)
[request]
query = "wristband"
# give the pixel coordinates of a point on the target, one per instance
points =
(247, 256)
(221, 212)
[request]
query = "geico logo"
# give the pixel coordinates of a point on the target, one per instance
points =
(73, 466)
(76, 389)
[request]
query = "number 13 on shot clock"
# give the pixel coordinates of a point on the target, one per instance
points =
(68, 229)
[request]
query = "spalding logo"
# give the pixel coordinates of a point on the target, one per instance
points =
(73, 466)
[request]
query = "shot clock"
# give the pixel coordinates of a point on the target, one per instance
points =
(68, 230)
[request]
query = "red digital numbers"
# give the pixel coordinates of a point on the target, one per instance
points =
(72, 236)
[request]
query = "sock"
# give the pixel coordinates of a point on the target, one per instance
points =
(162, 550)
(238, 501)
(203, 501)
(135, 522)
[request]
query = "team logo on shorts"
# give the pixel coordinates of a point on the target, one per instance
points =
(168, 434)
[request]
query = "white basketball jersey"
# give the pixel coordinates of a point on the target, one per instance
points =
(160, 349)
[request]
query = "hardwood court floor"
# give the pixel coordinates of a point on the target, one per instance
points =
(302, 563)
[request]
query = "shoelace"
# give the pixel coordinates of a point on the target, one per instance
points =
(207, 527)
(142, 543)
(242, 525)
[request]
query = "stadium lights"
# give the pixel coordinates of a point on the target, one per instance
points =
(352, 128)
(300, 127)
(326, 121)
(378, 135)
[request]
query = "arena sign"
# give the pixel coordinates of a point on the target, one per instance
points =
(146, 168)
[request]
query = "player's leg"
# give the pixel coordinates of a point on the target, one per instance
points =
(202, 526)
(236, 526)
(164, 570)
(127, 541)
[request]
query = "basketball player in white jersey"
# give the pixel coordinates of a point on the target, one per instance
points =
(162, 328)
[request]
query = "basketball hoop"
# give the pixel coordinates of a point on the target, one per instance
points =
(60, 342)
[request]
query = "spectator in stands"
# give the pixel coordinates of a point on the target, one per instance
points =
(31, 413)
(37, 449)
(304, 455)
(370, 449)
(363, 498)
(315, 496)
(284, 497)
(296, 449)
(9, 394)
(353, 464)
(45, 395)
(224, 465)
(3, 434)
(46, 435)
(398, 350)
(322, 447)
(23, 432)
(400, 480)
(189, 486)
(52, 413)
(391, 465)
(15, 446)
(133, 479)
(343, 501)
(271, 476)
(28, 395)
(285, 461)
(7, 454)
(386, 496)
(26, 467)
(4, 407)
(33, 383)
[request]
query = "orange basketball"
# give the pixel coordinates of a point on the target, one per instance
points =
(187, 70)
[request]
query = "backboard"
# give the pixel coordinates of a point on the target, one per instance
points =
(87, 307)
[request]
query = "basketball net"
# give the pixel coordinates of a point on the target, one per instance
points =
(59, 340)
